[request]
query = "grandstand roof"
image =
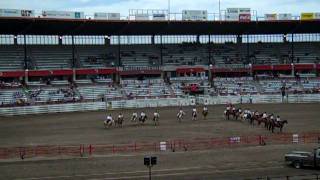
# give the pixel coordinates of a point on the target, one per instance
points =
(43, 26)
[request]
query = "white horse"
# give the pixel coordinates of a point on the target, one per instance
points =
(134, 117)
(180, 115)
(194, 115)
(156, 117)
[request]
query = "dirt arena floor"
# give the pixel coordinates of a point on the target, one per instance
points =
(87, 128)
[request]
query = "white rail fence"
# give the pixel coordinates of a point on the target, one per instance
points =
(145, 103)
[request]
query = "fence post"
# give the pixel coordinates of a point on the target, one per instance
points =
(287, 177)
(261, 141)
(90, 149)
(319, 140)
(81, 150)
(22, 152)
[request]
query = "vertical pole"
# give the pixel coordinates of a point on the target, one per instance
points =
(161, 53)
(119, 52)
(150, 170)
(168, 10)
(73, 52)
(292, 49)
(219, 10)
(248, 49)
(25, 51)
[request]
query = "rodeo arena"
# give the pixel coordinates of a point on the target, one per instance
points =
(158, 94)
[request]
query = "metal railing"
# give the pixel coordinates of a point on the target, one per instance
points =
(172, 145)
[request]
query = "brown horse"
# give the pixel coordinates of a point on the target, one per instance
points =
(256, 117)
(119, 121)
(204, 114)
(280, 125)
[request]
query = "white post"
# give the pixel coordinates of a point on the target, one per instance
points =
(219, 10)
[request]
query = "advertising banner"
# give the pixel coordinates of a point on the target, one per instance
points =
(16, 13)
(63, 14)
(195, 15)
(307, 16)
(107, 16)
(270, 17)
(142, 17)
(285, 16)
(159, 17)
(244, 17)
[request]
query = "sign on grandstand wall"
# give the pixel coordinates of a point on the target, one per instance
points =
(195, 15)
(244, 17)
(238, 14)
(63, 14)
(142, 17)
(16, 13)
(316, 15)
(159, 17)
(107, 16)
(285, 16)
(307, 16)
(270, 17)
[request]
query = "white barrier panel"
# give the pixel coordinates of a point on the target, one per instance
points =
(57, 108)
(142, 103)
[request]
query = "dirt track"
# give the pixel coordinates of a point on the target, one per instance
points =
(87, 128)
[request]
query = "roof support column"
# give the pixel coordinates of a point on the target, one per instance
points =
(161, 53)
(209, 51)
(119, 51)
(73, 63)
(107, 40)
(15, 40)
(292, 48)
(198, 39)
(248, 50)
(25, 52)
(152, 39)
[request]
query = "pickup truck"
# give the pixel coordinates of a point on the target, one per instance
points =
(300, 159)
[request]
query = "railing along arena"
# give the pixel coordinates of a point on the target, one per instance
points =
(174, 145)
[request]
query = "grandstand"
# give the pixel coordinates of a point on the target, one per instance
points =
(154, 60)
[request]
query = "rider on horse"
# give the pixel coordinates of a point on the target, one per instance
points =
(156, 115)
(205, 112)
(134, 116)
(143, 117)
(108, 121)
(194, 114)
(180, 114)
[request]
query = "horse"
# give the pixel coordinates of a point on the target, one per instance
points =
(119, 121)
(205, 113)
(108, 123)
(134, 118)
(142, 119)
(194, 115)
(180, 116)
(236, 113)
(261, 120)
(227, 114)
(255, 117)
(156, 119)
(279, 124)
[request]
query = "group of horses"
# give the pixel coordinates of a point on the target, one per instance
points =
(118, 122)
(253, 117)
